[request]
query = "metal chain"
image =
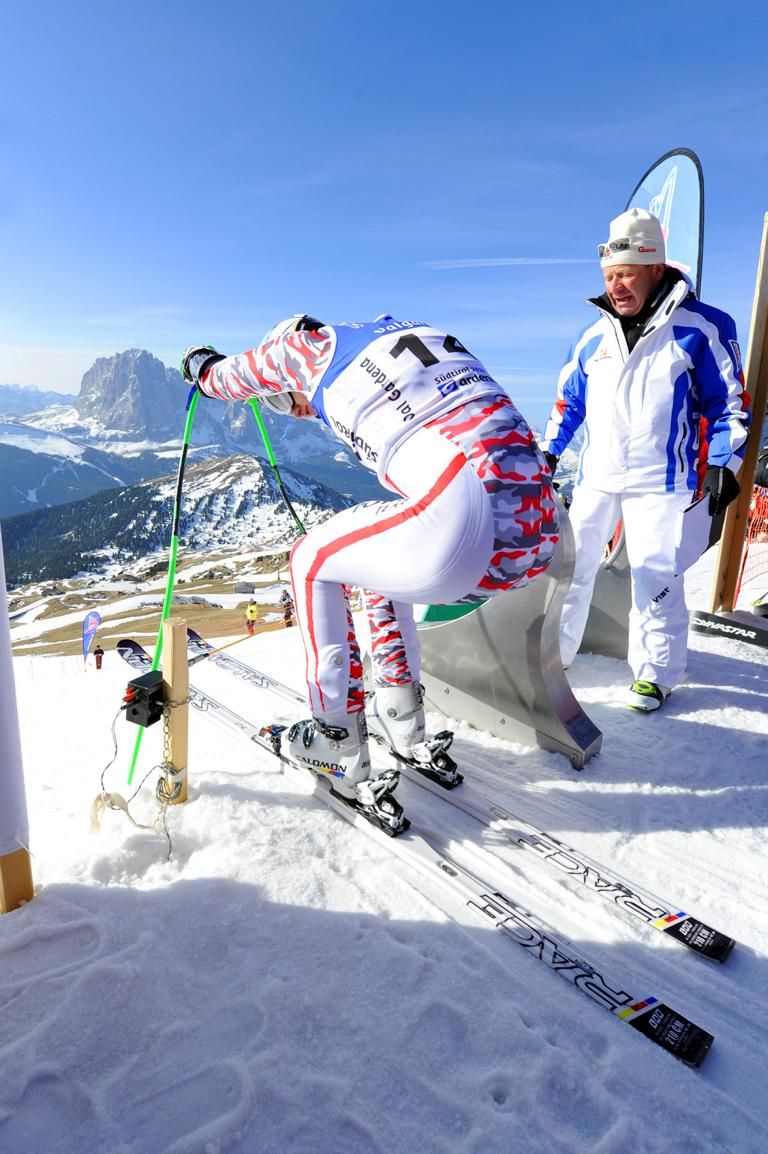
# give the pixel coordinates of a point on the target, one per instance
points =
(167, 735)
(169, 785)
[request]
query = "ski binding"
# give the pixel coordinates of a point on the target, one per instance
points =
(430, 758)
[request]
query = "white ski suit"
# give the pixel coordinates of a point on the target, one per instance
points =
(643, 412)
(476, 513)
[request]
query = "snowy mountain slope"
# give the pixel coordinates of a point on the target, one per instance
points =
(128, 418)
(234, 501)
(18, 400)
(278, 985)
(40, 469)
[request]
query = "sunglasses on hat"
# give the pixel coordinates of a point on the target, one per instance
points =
(624, 244)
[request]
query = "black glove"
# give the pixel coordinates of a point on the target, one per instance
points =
(552, 462)
(195, 360)
(722, 486)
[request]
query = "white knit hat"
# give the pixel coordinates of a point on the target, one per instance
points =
(635, 237)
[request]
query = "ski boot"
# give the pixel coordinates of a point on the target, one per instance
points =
(396, 720)
(646, 696)
(339, 749)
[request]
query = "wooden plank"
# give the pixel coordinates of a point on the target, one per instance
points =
(176, 686)
(16, 886)
(756, 378)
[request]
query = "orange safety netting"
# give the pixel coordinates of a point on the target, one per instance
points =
(754, 558)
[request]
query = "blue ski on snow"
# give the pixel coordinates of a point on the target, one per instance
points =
(482, 903)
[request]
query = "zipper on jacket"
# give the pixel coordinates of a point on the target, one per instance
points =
(680, 443)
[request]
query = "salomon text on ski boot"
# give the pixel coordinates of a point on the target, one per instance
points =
(396, 720)
(339, 749)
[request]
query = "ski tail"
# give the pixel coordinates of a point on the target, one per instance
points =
(135, 654)
(736, 626)
(672, 1031)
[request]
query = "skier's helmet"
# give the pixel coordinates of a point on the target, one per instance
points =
(299, 323)
(282, 403)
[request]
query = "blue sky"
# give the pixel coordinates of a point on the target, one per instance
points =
(174, 173)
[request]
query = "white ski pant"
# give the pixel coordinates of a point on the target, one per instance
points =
(435, 545)
(658, 618)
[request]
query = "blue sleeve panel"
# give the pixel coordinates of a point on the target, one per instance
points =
(718, 389)
(683, 439)
(570, 406)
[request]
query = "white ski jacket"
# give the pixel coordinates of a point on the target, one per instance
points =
(641, 410)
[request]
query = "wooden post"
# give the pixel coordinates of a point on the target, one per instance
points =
(15, 869)
(176, 686)
(16, 885)
(756, 380)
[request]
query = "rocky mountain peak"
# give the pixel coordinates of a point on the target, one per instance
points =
(134, 393)
(130, 412)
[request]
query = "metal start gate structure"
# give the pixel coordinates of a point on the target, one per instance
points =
(498, 666)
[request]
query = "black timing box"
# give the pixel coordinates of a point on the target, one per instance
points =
(144, 698)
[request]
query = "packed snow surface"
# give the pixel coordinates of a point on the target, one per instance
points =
(267, 978)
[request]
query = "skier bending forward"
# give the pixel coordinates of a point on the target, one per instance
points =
(476, 515)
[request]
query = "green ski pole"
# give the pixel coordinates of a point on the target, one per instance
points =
(254, 405)
(170, 579)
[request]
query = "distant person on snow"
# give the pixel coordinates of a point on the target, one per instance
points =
(287, 603)
(251, 617)
(476, 515)
(98, 656)
(640, 378)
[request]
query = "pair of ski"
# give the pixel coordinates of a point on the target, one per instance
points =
(482, 902)
(690, 931)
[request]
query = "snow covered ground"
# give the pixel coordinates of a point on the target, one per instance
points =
(279, 985)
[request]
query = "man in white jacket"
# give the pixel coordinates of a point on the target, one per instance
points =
(654, 379)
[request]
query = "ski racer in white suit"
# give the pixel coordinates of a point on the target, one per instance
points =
(654, 374)
(476, 514)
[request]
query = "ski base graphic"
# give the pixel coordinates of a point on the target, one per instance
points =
(739, 626)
